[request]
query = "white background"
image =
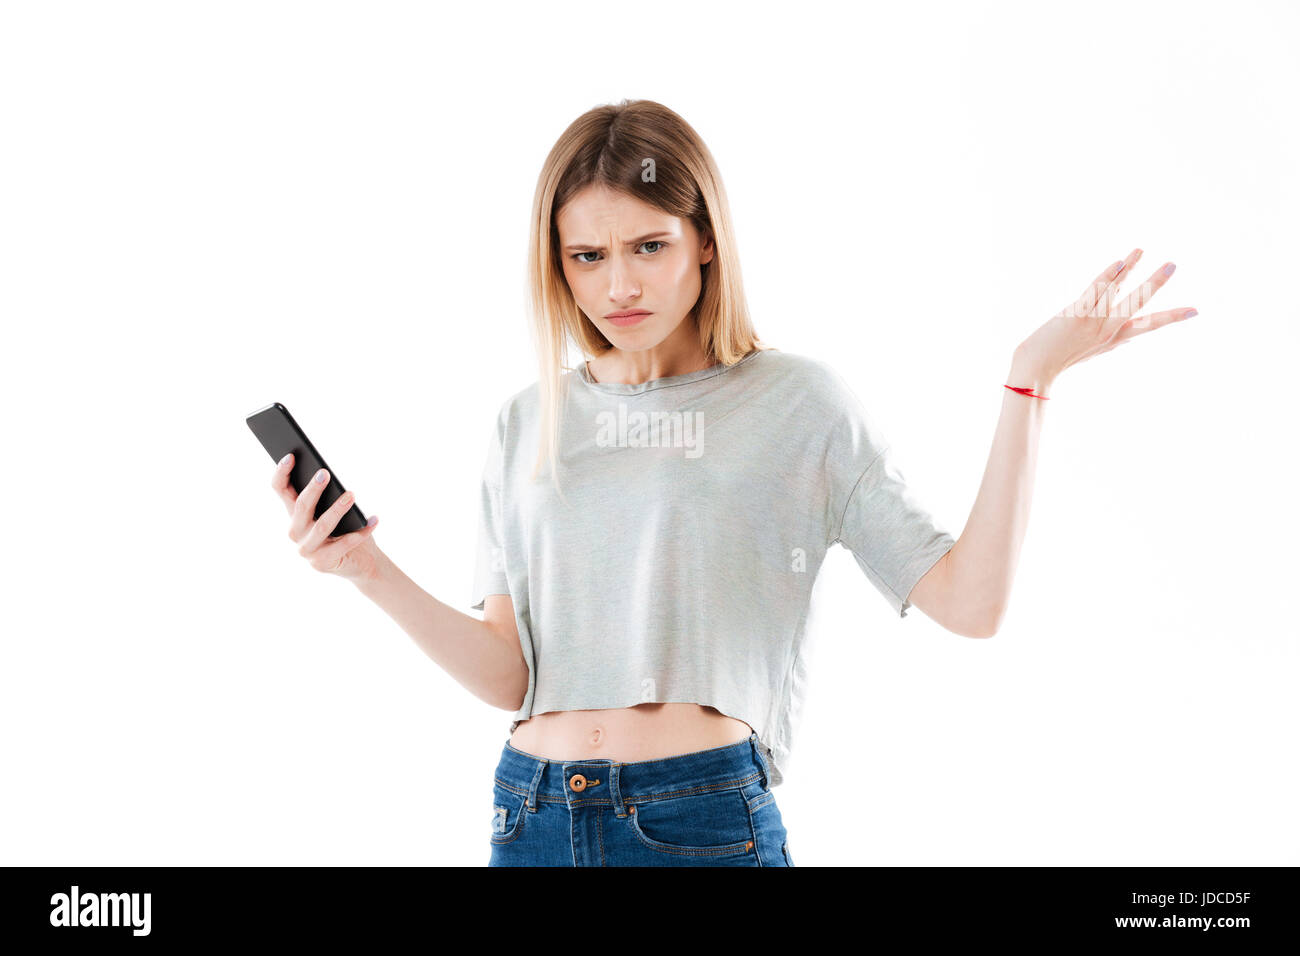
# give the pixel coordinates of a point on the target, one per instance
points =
(210, 207)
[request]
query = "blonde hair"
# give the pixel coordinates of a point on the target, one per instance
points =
(611, 146)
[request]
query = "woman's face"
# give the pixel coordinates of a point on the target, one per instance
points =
(622, 254)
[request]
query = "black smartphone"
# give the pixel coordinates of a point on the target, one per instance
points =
(280, 435)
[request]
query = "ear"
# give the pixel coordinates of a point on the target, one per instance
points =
(707, 250)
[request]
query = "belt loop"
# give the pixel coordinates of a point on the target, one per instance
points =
(758, 756)
(614, 793)
(532, 790)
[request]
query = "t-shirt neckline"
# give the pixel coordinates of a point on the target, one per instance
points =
(622, 388)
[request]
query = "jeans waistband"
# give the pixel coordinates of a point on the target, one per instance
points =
(596, 780)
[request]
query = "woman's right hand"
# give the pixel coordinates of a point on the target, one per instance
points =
(353, 556)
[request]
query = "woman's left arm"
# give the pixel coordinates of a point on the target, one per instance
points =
(968, 590)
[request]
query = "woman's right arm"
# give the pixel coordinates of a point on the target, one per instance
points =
(483, 656)
(485, 659)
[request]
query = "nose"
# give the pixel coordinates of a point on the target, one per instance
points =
(622, 284)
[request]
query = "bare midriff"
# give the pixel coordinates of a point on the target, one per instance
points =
(648, 731)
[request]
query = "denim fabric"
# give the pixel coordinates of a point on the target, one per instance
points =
(705, 808)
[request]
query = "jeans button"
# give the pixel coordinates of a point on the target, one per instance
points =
(577, 783)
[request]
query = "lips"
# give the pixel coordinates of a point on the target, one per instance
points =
(624, 319)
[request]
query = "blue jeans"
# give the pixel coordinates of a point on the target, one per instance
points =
(705, 808)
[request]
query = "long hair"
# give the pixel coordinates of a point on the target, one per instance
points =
(641, 149)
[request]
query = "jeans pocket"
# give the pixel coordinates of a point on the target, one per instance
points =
(712, 823)
(508, 814)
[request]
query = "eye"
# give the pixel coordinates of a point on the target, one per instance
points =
(649, 242)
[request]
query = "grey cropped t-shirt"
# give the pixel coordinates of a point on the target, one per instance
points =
(697, 510)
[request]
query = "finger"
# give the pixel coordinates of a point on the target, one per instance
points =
(331, 556)
(304, 510)
(322, 526)
(1088, 299)
(1125, 271)
(1127, 308)
(280, 482)
(1141, 324)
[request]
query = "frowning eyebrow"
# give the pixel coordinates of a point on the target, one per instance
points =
(631, 242)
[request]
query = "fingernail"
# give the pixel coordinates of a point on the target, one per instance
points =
(374, 520)
(1188, 314)
(321, 476)
(285, 459)
(1117, 266)
(1169, 269)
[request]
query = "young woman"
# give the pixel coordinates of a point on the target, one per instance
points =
(652, 521)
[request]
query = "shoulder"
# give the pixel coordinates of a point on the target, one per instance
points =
(818, 383)
(520, 413)
(519, 406)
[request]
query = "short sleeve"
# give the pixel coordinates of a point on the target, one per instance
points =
(490, 561)
(893, 537)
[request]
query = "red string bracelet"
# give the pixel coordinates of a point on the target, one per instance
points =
(1027, 391)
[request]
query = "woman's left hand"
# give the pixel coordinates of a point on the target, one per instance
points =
(1095, 323)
